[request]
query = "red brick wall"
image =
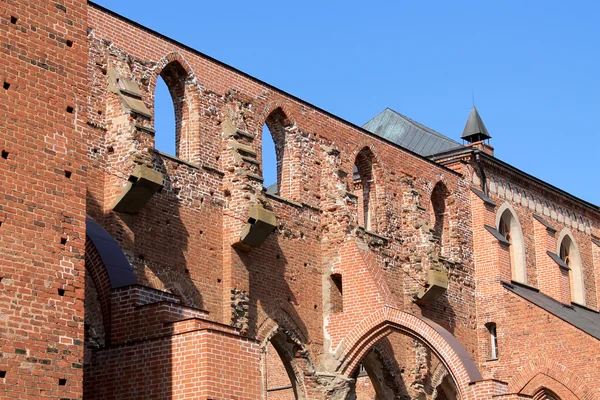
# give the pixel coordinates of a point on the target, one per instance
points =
(42, 73)
(195, 286)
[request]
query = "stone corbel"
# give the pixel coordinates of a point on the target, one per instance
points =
(261, 223)
(143, 183)
(437, 284)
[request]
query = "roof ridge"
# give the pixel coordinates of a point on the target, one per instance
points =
(421, 126)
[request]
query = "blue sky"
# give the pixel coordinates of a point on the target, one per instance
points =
(533, 66)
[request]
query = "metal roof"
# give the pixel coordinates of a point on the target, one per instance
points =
(409, 134)
(475, 129)
(120, 272)
(580, 317)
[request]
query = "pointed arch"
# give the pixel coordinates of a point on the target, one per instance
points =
(545, 373)
(569, 252)
(509, 226)
(277, 125)
(281, 333)
(176, 73)
(440, 223)
(360, 340)
(365, 187)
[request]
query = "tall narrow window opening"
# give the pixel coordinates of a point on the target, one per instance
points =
(336, 296)
(164, 119)
(509, 227)
(276, 166)
(365, 189)
(440, 222)
(269, 162)
(279, 378)
(171, 112)
(570, 255)
(493, 340)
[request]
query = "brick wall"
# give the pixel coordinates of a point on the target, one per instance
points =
(42, 197)
(206, 307)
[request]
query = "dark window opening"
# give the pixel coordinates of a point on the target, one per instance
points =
(336, 294)
(365, 189)
(491, 327)
(438, 203)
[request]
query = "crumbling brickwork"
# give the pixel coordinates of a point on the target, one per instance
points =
(370, 272)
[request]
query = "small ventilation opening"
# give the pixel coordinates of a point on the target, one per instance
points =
(69, 43)
(4, 154)
(68, 174)
(70, 109)
(61, 292)
(13, 20)
(336, 294)
(2, 374)
(63, 240)
(6, 85)
(62, 382)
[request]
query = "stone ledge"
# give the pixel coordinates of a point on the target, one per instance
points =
(282, 200)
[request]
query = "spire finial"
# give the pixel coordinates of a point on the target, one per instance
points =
(475, 130)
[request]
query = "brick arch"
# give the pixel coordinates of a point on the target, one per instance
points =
(447, 348)
(517, 251)
(180, 80)
(544, 371)
(281, 313)
(170, 58)
(289, 340)
(280, 125)
(272, 107)
(543, 386)
(367, 185)
(182, 287)
(576, 274)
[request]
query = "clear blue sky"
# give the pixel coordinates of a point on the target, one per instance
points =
(533, 66)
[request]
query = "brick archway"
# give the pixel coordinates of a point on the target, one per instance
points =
(543, 387)
(551, 375)
(453, 355)
(289, 340)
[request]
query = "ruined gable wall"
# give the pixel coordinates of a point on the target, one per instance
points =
(323, 149)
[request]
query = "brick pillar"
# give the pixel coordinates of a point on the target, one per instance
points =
(42, 197)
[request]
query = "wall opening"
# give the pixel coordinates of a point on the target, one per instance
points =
(493, 340)
(440, 220)
(276, 168)
(164, 119)
(269, 162)
(570, 255)
(509, 227)
(279, 379)
(336, 294)
(171, 111)
(365, 189)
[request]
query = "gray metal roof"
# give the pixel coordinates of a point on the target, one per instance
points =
(120, 272)
(409, 134)
(580, 317)
(475, 129)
